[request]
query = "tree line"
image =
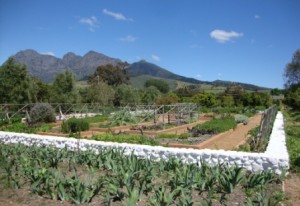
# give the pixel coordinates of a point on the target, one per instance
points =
(110, 85)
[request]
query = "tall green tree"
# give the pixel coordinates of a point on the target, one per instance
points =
(100, 93)
(292, 82)
(63, 88)
(126, 94)
(292, 71)
(110, 74)
(161, 85)
(14, 83)
(205, 99)
(150, 94)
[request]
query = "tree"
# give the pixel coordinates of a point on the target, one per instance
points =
(14, 83)
(161, 85)
(205, 99)
(100, 93)
(39, 91)
(63, 88)
(110, 74)
(126, 94)
(227, 100)
(292, 71)
(150, 94)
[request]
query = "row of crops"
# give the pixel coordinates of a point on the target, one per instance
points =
(109, 177)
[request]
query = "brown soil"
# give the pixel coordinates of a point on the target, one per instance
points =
(292, 189)
(227, 140)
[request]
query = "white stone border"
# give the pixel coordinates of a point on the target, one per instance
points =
(275, 158)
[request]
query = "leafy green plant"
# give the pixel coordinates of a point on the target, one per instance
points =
(184, 135)
(74, 125)
(167, 136)
(122, 117)
(240, 118)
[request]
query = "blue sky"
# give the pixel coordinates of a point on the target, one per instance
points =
(248, 41)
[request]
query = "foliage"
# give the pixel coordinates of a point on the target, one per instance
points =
(227, 100)
(110, 74)
(240, 118)
(184, 135)
(257, 99)
(97, 118)
(161, 85)
(101, 93)
(39, 91)
(216, 126)
(292, 96)
(63, 88)
(116, 177)
(122, 117)
(74, 125)
(125, 138)
(126, 94)
(205, 99)
(14, 83)
(150, 94)
(167, 100)
(292, 70)
(42, 112)
(293, 141)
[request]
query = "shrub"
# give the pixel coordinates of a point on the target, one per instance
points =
(123, 117)
(74, 125)
(240, 118)
(42, 112)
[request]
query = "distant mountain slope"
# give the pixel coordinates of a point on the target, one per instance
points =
(146, 68)
(246, 86)
(46, 66)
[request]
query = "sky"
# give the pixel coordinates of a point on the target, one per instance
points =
(248, 41)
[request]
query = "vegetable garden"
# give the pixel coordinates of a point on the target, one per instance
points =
(110, 177)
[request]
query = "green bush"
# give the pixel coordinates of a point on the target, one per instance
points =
(123, 117)
(216, 126)
(293, 141)
(42, 112)
(240, 118)
(74, 125)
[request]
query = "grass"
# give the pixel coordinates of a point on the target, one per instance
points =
(292, 130)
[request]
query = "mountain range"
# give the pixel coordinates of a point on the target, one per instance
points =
(46, 67)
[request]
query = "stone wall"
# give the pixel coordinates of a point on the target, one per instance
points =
(275, 158)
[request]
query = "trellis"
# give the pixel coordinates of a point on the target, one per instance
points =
(162, 114)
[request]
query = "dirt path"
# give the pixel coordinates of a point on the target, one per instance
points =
(232, 139)
(227, 140)
(292, 189)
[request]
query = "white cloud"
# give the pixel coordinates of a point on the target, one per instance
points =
(256, 16)
(49, 53)
(155, 57)
(115, 15)
(198, 76)
(91, 22)
(128, 38)
(224, 36)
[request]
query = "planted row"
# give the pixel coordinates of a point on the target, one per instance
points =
(112, 177)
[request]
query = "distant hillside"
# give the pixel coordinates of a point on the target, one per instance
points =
(46, 66)
(246, 86)
(146, 68)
